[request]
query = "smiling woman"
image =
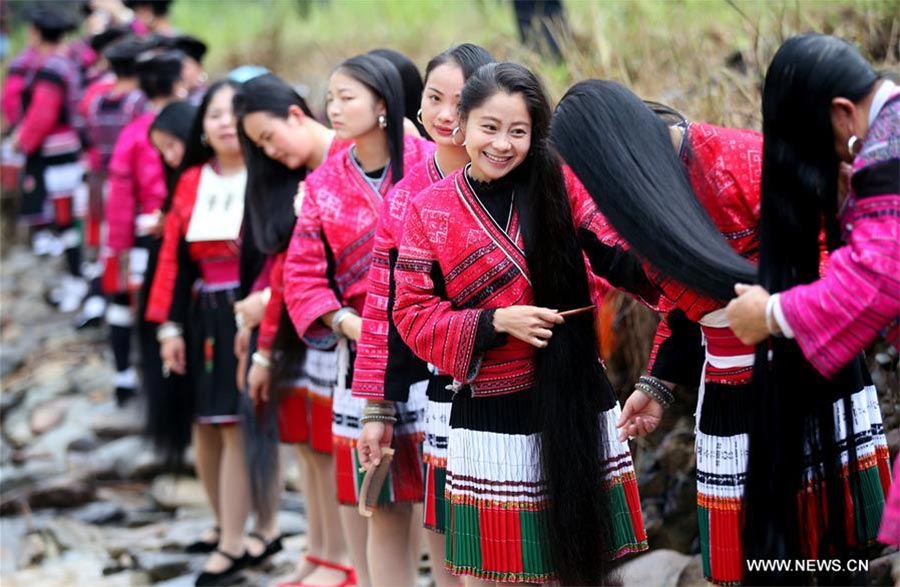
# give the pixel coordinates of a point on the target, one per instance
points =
(487, 260)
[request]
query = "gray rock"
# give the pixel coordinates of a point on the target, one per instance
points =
(660, 568)
(118, 459)
(13, 477)
(111, 422)
(11, 359)
(292, 523)
(49, 415)
(692, 574)
(99, 513)
(880, 569)
(172, 492)
(61, 492)
(162, 566)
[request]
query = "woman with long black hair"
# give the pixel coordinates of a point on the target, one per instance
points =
(412, 86)
(325, 286)
(201, 241)
(687, 202)
(282, 142)
(169, 404)
(385, 368)
(539, 488)
(823, 105)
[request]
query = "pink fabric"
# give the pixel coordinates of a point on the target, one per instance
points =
(273, 275)
(42, 117)
(890, 519)
(136, 183)
(21, 70)
(838, 316)
(373, 348)
(329, 255)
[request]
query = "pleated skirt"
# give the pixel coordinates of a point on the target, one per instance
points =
(722, 453)
(404, 482)
(497, 501)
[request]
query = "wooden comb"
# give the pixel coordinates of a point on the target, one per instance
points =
(373, 483)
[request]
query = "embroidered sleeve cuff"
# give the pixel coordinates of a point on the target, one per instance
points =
(486, 337)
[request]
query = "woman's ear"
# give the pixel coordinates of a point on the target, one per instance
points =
(296, 114)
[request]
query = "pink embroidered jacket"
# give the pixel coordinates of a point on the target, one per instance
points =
(838, 316)
(136, 182)
(331, 250)
(385, 367)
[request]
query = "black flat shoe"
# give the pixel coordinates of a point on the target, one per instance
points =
(201, 546)
(208, 579)
(271, 548)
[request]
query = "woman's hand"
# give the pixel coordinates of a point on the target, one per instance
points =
(172, 353)
(640, 416)
(258, 381)
(529, 324)
(373, 437)
(747, 313)
(250, 310)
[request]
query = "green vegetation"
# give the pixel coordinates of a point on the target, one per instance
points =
(705, 57)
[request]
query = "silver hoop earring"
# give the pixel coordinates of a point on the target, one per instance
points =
(204, 140)
(419, 117)
(382, 121)
(852, 144)
(453, 135)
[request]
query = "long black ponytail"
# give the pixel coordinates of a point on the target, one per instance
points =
(794, 403)
(571, 383)
(622, 152)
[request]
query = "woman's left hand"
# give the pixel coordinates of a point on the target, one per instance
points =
(747, 313)
(250, 310)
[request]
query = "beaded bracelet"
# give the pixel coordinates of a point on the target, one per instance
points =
(656, 389)
(379, 410)
(377, 418)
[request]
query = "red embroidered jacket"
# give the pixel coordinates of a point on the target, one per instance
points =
(330, 252)
(454, 263)
(215, 263)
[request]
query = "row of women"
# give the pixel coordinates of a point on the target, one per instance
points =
(404, 292)
(418, 276)
(77, 113)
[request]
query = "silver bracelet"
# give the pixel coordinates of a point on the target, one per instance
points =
(168, 330)
(339, 317)
(378, 418)
(260, 359)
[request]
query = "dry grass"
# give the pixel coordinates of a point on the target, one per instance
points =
(704, 57)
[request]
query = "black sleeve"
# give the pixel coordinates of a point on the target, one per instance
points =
(184, 285)
(486, 337)
(680, 357)
(403, 367)
(620, 267)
